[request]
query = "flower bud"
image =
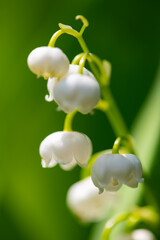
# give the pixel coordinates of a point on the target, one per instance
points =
(110, 171)
(48, 62)
(86, 204)
(65, 148)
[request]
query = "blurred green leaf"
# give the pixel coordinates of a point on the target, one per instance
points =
(146, 129)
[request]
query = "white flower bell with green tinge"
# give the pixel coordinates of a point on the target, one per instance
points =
(65, 148)
(48, 62)
(86, 204)
(110, 171)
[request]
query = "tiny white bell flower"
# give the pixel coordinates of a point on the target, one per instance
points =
(110, 171)
(140, 234)
(86, 204)
(77, 91)
(65, 148)
(51, 84)
(48, 62)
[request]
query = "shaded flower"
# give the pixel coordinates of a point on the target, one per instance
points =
(86, 204)
(65, 148)
(48, 62)
(110, 171)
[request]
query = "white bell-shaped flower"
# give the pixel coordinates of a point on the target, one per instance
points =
(75, 91)
(86, 204)
(140, 234)
(110, 171)
(53, 81)
(48, 62)
(65, 148)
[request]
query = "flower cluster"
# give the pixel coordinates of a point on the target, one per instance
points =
(78, 90)
(74, 88)
(71, 90)
(67, 87)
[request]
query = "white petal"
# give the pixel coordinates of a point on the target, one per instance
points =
(68, 166)
(66, 148)
(83, 200)
(112, 186)
(77, 91)
(48, 62)
(110, 171)
(46, 164)
(82, 148)
(137, 166)
(57, 146)
(50, 86)
(75, 68)
(53, 81)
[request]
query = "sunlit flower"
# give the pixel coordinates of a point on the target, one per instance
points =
(140, 234)
(65, 148)
(75, 91)
(53, 81)
(110, 171)
(86, 204)
(48, 62)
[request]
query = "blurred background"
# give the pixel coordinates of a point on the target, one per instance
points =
(127, 33)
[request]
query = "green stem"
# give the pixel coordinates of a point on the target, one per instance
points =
(102, 105)
(68, 121)
(116, 145)
(77, 58)
(112, 111)
(104, 78)
(54, 38)
(84, 21)
(83, 44)
(114, 114)
(82, 63)
(112, 223)
(145, 214)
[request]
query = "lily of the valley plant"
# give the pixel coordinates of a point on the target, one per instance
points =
(77, 89)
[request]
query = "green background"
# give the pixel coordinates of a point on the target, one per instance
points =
(127, 33)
